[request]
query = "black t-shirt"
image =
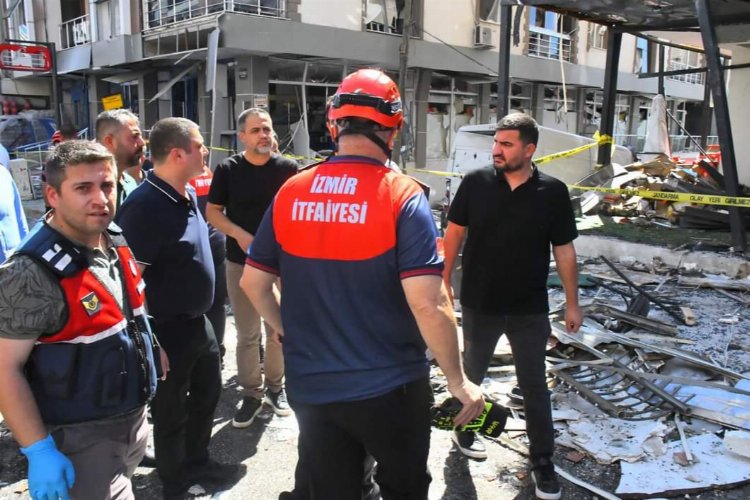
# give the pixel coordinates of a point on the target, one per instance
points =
(246, 191)
(507, 253)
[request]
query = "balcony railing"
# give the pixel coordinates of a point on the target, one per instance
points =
(75, 32)
(165, 12)
(547, 44)
(696, 78)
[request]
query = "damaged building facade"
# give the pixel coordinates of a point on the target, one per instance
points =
(209, 59)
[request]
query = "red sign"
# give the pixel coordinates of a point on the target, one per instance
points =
(20, 57)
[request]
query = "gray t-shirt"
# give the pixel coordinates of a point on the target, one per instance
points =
(31, 300)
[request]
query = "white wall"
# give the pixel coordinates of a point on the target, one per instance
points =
(346, 14)
(739, 111)
(49, 13)
(452, 21)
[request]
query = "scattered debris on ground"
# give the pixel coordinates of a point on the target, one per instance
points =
(657, 379)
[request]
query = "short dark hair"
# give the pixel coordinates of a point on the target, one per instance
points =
(68, 131)
(109, 122)
(526, 126)
(170, 133)
(250, 112)
(70, 153)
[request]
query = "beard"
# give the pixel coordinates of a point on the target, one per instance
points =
(509, 167)
(263, 150)
(130, 160)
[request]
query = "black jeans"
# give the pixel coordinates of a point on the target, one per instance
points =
(217, 315)
(183, 408)
(527, 336)
(393, 428)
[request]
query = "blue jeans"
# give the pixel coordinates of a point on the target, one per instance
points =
(527, 336)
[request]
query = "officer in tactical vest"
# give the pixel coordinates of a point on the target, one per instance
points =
(76, 350)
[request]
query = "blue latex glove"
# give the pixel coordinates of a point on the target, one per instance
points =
(51, 473)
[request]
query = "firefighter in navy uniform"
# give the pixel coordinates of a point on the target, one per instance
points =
(76, 351)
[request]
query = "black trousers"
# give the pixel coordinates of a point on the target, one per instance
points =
(527, 336)
(183, 408)
(217, 315)
(393, 428)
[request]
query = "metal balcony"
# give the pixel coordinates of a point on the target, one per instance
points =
(695, 78)
(547, 44)
(161, 13)
(75, 32)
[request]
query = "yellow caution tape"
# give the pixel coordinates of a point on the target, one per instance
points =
(703, 199)
(600, 139)
(437, 172)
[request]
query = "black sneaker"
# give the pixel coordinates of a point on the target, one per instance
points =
(277, 401)
(214, 473)
(247, 413)
(545, 480)
(469, 444)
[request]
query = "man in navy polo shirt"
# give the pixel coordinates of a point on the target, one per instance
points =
(169, 238)
(513, 214)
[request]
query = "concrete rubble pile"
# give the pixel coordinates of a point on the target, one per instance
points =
(665, 176)
(656, 379)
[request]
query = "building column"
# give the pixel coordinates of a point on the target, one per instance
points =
(97, 90)
(147, 88)
(537, 103)
(219, 119)
(421, 102)
(484, 115)
(250, 83)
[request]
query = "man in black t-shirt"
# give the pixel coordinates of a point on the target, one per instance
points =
(243, 187)
(513, 214)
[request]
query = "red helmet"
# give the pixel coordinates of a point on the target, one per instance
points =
(369, 94)
(57, 137)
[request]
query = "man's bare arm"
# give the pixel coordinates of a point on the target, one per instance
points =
(454, 236)
(218, 219)
(258, 286)
(17, 403)
(429, 302)
(567, 269)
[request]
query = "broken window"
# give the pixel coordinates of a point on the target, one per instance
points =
(641, 62)
(549, 34)
(597, 36)
(488, 10)
(520, 96)
(384, 15)
(686, 59)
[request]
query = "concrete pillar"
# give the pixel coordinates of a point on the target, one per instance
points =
(219, 119)
(537, 103)
(164, 103)
(147, 88)
(250, 83)
(97, 90)
(483, 106)
(204, 106)
(421, 99)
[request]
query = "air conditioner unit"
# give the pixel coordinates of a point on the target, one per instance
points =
(483, 37)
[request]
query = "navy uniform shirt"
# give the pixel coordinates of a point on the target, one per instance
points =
(168, 234)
